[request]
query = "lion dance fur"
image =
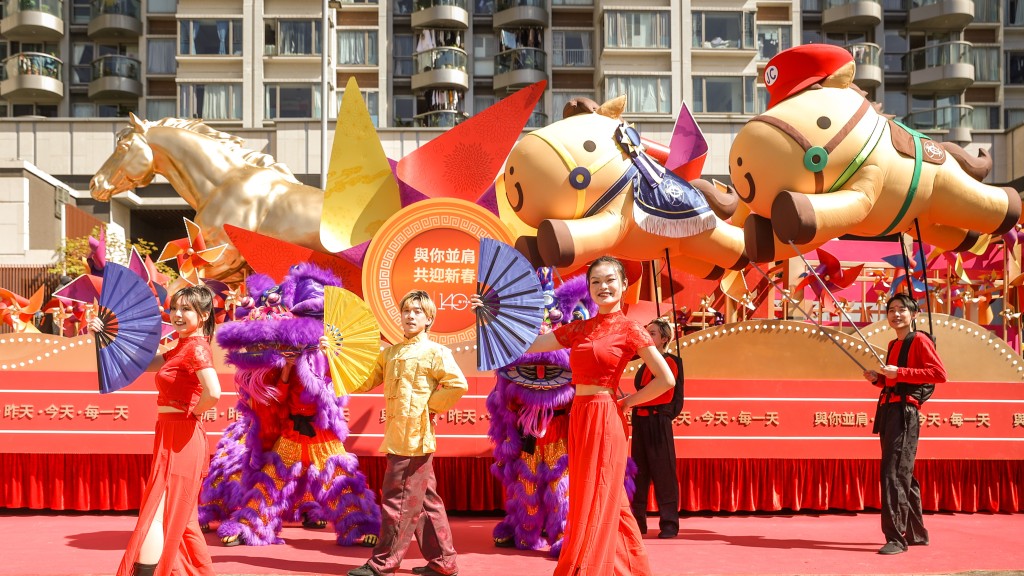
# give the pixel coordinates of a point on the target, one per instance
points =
(284, 458)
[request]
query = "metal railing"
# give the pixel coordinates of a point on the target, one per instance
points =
(122, 7)
(116, 65)
(520, 59)
(427, 4)
(34, 63)
(441, 58)
(439, 119)
(834, 3)
(943, 54)
(941, 118)
(51, 7)
(508, 4)
(573, 57)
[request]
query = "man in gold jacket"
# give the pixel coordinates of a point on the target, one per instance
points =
(421, 379)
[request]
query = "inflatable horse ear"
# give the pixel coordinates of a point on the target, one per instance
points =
(821, 162)
(588, 187)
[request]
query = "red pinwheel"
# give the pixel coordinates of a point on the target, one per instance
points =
(191, 253)
(19, 312)
(832, 273)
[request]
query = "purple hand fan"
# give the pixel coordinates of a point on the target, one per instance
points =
(131, 328)
(513, 305)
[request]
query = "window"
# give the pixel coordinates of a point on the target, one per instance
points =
(157, 109)
(985, 117)
(483, 7)
(92, 110)
(162, 6)
(357, 47)
(1014, 117)
(895, 102)
(402, 50)
(571, 48)
(292, 37)
(1015, 12)
(372, 100)
(405, 110)
(403, 6)
(44, 110)
(485, 46)
(292, 101)
(644, 94)
(210, 101)
(729, 30)
(986, 11)
(559, 99)
(1015, 68)
(811, 5)
(81, 11)
(637, 29)
(896, 47)
(83, 53)
(206, 37)
(772, 39)
(986, 63)
(723, 94)
(762, 99)
(481, 103)
(160, 56)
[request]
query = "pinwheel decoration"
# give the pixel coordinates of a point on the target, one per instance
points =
(832, 274)
(900, 280)
(19, 312)
(96, 261)
(191, 253)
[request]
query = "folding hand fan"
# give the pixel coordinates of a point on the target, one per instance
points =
(131, 328)
(513, 305)
(354, 339)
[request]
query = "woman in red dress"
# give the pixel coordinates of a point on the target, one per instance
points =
(601, 535)
(167, 537)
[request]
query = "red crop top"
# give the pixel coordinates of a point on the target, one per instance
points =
(600, 347)
(177, 385)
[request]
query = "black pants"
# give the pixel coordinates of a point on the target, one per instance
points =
(902, 518)
(654, 452)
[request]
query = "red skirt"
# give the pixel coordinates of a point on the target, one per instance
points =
(601, 535)
(180, 461)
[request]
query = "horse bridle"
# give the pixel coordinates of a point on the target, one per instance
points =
(816, 157)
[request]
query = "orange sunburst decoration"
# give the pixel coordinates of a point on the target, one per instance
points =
(191, 253)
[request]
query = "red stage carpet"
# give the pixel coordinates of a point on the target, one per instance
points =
(840, 543)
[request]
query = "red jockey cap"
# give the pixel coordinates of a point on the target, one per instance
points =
(792, 70)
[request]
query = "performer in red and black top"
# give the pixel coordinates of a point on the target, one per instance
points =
(898, 425)
(653, 449)
(601, 535)
(167, 538)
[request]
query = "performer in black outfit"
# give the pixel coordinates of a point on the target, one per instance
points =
(654, 450)
(906, 382)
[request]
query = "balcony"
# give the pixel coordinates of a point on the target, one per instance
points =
(439, 119)
(115, 19)
(441, 68)
(519, 67)
(33, 20)
(940, 15)
(115, 77)
(955, 120)
(867, 57)
(572, 58)
(946, 67)
(851, 14)
(32, 76)
(511, 13)
(440, 14)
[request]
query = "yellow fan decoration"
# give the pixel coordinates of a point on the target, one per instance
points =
(353, 337)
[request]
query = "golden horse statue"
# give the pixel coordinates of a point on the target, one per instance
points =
(224, 182)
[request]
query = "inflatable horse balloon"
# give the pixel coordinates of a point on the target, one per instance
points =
(588, 188)
(822, 162)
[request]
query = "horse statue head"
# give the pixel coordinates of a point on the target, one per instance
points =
(129, 167)
(223, 181)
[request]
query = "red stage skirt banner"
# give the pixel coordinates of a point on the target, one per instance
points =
(51, 405)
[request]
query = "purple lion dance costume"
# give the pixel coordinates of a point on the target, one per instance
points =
(529, 409)
(284, 459)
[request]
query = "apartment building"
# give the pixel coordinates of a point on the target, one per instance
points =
(72, 70)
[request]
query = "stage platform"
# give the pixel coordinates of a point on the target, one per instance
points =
(59, 544)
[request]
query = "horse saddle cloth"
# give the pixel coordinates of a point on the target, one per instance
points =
(672, 208)
(903, 142)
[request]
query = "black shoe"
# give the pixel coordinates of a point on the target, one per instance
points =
(364, 570)
(918, 543)
(428, 571)
(892, 548)
(665, 534)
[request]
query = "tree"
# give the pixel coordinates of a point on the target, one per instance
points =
(71, 256)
